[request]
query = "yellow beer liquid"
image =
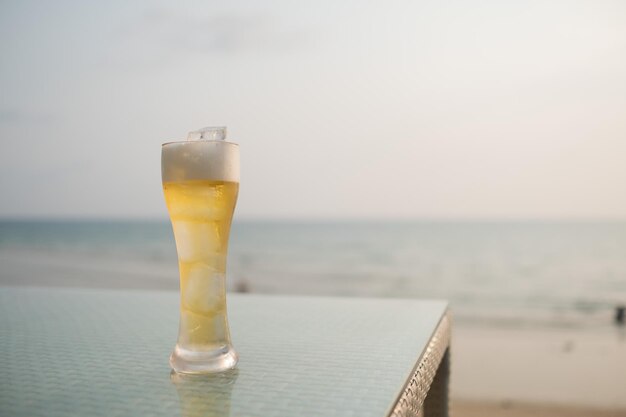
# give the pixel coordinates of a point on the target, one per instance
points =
(201, 212)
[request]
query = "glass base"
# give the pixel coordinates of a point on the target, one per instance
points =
(187, 361)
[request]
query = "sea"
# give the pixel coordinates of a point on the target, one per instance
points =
(524, 273)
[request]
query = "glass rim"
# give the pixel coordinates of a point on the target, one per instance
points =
(173, 142)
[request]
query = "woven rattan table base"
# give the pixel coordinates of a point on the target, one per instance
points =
(427, 390)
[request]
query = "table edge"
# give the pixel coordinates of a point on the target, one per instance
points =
(411, 398)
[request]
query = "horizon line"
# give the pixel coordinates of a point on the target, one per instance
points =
(338, 219)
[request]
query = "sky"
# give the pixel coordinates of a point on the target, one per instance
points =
(348, 110)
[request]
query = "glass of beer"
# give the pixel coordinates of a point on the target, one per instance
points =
(200, 182)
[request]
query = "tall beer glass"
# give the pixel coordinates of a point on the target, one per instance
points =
(200, 183)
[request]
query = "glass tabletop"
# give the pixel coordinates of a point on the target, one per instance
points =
(73, 352)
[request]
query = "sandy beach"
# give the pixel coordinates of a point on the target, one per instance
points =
(546, 371)
(512, 409)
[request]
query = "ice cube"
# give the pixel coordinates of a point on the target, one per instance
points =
(206, 212)
(195, 240)
(203, 290)
(193, 329)
(219, 327)
(199, 203)
(202, 331)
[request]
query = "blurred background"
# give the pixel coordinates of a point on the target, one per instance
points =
(472, 151)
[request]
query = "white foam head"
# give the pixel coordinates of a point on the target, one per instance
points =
(205, 155)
